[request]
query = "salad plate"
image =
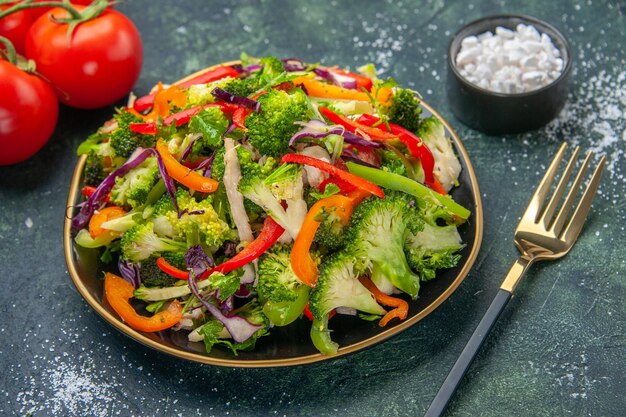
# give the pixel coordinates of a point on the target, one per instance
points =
(289, 345)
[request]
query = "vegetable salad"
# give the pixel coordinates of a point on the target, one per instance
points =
(258, 194)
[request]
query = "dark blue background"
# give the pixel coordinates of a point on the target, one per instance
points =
(560, 347)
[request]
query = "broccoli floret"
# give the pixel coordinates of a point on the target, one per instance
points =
(244, 86)
(95, 170)
(96, 143)
(338, 286)
(377, 232)
(164, 203)
(271, 128)
(436, 246)
(198, 218)
(218, 168)
(270, 72)
(123, 140)
(285, 183)
(405, 110)
(283, 294)
(247, 164)
(272, 66)
(199, 94)
(133, 188)
(391, 162)
(176, 259)
(330, 234)
(140, 242)
(152, 276)
(212, 124)
(447, 165)
(250, 169)
(101, 158)
(277, 281)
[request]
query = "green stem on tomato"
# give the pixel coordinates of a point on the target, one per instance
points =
(28, 4)
(399, 183)
(10, 54)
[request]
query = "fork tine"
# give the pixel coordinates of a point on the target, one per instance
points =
(575, 225)
(553, 204)
(536, 203)
(567, 206)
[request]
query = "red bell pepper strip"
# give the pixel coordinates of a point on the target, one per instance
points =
(88, 191)
(334, 171)
(269, 235)
(180, 118)
(170, 269)
(417, 148)
(356, 127)
(118, 292)
(145, 102)
(239, 117)
(344, 186)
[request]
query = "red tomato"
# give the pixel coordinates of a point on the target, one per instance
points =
(98, 67)
(28, 113)
(15, 26)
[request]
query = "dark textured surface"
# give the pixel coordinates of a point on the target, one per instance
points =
(560, 346)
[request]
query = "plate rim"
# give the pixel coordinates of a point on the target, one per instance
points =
(267, 363)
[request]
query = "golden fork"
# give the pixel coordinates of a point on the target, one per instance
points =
(542, 234)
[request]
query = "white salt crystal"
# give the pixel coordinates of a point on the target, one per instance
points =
(533, 78)
(469, 42)
(505, 33)
(500, 61)
(529, 62)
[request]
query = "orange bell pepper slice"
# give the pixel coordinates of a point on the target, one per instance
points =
(316, 88)
(302, 264)
(102, 216)
(402, 307)
(163, 99)
(182, 174)
(118, 292)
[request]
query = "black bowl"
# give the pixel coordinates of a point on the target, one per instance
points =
(499, 113)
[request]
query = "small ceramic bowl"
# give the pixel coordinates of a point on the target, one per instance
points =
(501, 113)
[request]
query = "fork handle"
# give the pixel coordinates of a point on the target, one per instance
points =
(443, 397)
